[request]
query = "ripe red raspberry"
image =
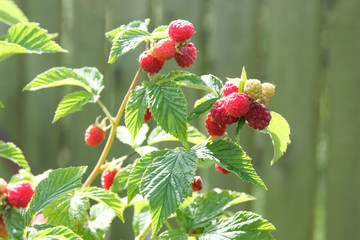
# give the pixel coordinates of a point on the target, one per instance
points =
(213, 128)
(94, 135)
(196, 184)
(229, 88)
(268, 91)
(186, 56)
(150, 64)
(253, 89)
(219, 114)
(180, 30)
(19, 195)
(3, 185)
(107, 177)
(258, 116)
(3, 232)
(194, 232)
(147, 116)
(237, 104)
(164, 49)
(221, 169)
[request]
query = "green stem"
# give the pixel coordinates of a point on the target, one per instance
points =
(144, 232)
(105, 110)
(112, 134)
(168, 225)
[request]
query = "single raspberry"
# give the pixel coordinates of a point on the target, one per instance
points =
(180, 30)
(268, 91)
(107, 177)
(3, 185)
(193, 232)
(253, 89)
(229, 88)
(221, 169)
(3, 232)
(237, 104)
(196, 184)
(219, 114)
(94, 135)
(19, 195)
(213, 128)
(258, 116)
(147, 116)
(186, 56)
(164, 49)
(150, 64)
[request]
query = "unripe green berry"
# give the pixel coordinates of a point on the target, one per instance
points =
(267, 92)
(253, 89)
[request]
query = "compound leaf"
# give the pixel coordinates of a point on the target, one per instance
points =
(10, 151)
(132, 25)
(15, 222)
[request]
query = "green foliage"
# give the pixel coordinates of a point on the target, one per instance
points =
(13, 153)
(158, 135)
(15, 222)
(1, 104)
(123, 134)
(56, 233)
(132, 25)
(173, 235)
(240, 124)
(121, 179)
(142, 216)
(214, 83)
(201, 108)
(10, 13)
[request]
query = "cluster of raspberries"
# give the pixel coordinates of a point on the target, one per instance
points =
(250, 104)
(177, 46)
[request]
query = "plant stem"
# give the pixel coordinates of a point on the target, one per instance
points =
(168, 225)
(144, 232)
(112, 134)
(105, 110)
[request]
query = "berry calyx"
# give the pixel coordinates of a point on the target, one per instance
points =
(258, 116)
(3, 231)
(147, 116)
(268, 91)
(164, 49)
(149, 63)
(186, 55)
(180, 30)
(253, 89)
(3, 185)
(213, 128)
(237, 104)
(229, 88)
(221, 169)
(19, 195)
(196, 185)
(107, 178)
(94, 135)
(219, 114)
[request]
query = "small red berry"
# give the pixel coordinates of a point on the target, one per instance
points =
(193, 232)
(164, 49)
(237, 104)
(229, 88)
(107, 178)
(180, 30)
(219, 114)
(221, 169)
(3, 231)
(258, 116)
(3, 185)
(19, 195)
(196, 185)
(213, 128)
(147, 116)
(149, 63)
(186, 56)
(94, 135)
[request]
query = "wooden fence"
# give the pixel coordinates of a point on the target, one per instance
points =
(309, 48)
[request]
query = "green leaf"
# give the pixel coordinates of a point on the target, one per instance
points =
(8, 49)
(201, 108)
(142, 216)
(10, 13)
(121, 179)
(160, 32)
(242, 80)
(71, 103)
(58, 183)
(1, 104)
(168, 106)
(159, 135)
(10, 151)
(142, 151)
(214, 83)
(135, 111)
(240, 124)
(203, 209)
(132, 25)
(243, 225)
(166, 184)
(108, 198)
(15, 223)
(173, 235)
(68, 210)
(231, 157)
(125, 41)
(123, 134)
(279, 131)
(99, 222)
(56, 233)
(138, 171)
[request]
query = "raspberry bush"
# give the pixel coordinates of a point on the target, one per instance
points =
(160, 183)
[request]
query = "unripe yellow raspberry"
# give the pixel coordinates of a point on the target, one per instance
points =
(253, 89)
(3, 185)
(268, 90)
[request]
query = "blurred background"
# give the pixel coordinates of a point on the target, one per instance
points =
(309, 48)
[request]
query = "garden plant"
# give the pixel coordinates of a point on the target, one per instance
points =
(161, 184)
